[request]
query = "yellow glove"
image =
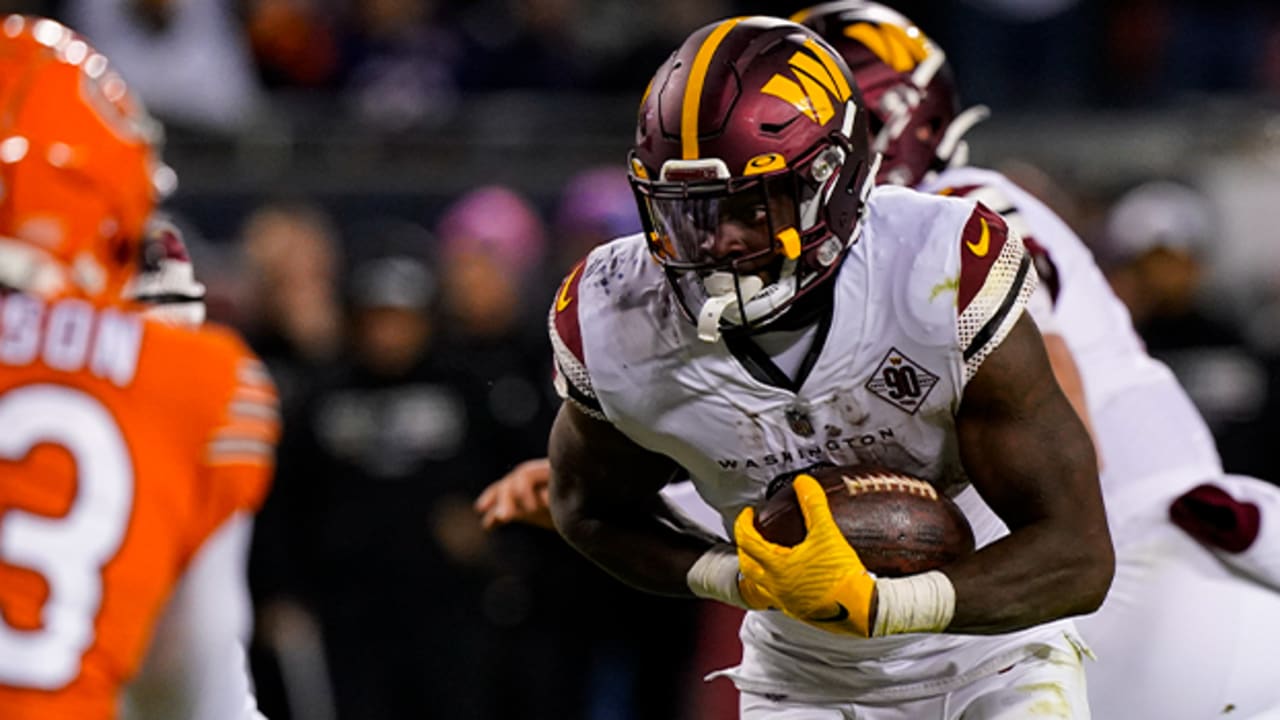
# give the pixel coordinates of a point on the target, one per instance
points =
(756, 596)
(821, 581)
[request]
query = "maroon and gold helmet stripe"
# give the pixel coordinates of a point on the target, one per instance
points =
(841, 89)
(693, 88)
(645, 97)
(903, 49)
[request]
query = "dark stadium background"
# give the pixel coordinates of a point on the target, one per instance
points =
(381, 114)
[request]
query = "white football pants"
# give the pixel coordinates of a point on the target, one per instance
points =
(1048, 685)
(1181, 635)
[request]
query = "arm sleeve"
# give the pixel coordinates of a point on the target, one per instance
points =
(196, 666)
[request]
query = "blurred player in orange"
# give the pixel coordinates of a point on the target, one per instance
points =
(128, 443)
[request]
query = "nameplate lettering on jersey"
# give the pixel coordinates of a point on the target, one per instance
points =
(841, 450)
(70, 336)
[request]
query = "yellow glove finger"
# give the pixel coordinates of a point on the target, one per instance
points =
(752, 543)
(813, 504)
(819, 523)
(750, 569)
(753, 584)
(756, 596)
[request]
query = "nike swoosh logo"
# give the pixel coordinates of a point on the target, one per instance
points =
(841, 614)
(563, 299)
(981, 247)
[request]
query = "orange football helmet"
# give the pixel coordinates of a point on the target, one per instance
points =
(79, 167)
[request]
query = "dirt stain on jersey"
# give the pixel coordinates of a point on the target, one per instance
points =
(1053, 700)
(950, 284)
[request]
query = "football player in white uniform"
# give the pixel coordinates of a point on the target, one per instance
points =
(777, 314)
(1155, 450)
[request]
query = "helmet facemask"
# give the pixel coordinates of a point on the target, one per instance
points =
(738, 251)
(915, 124)
(750, 168)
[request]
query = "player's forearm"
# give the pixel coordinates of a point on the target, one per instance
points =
(604, 499)
(1041, 572)
(639, 548)
(1030, 458)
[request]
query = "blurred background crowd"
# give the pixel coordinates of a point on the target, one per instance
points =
(383, 194)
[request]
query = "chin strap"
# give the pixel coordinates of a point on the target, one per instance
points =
(760, 300)
(724, 289)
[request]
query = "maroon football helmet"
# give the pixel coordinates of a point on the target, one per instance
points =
(753, 120)
(917, 121)
(166, 283)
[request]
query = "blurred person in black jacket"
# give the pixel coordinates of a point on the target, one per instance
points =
(375, 472)
(288, 308)
(290, 252)
(493, 247)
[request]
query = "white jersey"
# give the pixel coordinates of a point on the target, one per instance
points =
(1153, 443)
(931, 288)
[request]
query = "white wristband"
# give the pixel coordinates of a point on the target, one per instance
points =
(918, 603)
(715, 576)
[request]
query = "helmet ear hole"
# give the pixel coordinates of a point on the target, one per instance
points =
(827, 162)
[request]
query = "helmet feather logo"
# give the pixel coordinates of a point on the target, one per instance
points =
(817, 80)
(900, 48)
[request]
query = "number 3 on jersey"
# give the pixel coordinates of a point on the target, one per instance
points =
(68, 551)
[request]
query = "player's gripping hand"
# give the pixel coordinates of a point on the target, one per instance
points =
(755, 596)
(820, 581)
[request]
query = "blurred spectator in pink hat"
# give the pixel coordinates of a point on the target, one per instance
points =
(492, 243)
(596, 206)
(499, 220)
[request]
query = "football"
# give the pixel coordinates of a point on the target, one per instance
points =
(899, 524)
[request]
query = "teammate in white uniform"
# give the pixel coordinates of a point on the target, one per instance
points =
(1155, 449)
(774, 317)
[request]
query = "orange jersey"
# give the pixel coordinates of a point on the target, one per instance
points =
(124, 443)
